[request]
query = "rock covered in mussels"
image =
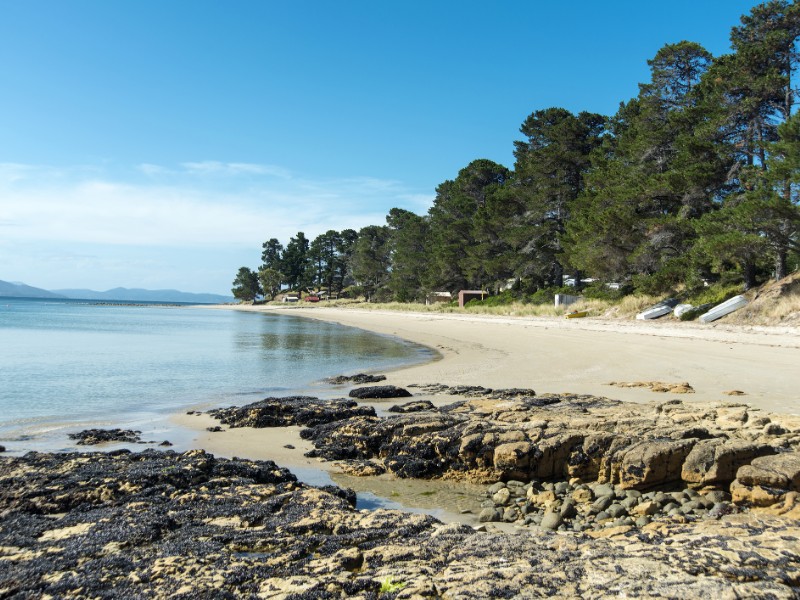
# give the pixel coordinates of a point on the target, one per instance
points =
(91, 437)
(359, 379)
(518, 436)
(161, 524)
(291, 410)
(411, 407)
(379, 392)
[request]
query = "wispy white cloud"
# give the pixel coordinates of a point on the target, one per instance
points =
(213, 167)
(184, 227)
(50, 205)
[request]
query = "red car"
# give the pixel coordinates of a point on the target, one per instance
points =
(311, 298)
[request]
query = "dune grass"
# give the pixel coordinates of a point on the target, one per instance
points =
(772, 304)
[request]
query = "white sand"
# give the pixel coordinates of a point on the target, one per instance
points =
(546, 354)
(584, 355)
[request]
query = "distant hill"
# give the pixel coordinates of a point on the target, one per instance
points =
(20, 290)
(139, 295)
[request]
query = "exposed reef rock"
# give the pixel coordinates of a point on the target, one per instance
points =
(473, 391)
(656, 386)
(410, 407)
(167, 525)
(634, 446)
(292, 410)
(359, 379)
(379, 392)
(91, 437)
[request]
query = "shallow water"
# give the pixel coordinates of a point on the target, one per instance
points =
(68, 364)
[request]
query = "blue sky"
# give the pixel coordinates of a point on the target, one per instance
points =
(158, 144)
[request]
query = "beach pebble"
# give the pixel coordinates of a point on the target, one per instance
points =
(496, 487)
(602, 503)
(561, 488)
(583, 495)
(502, 497)
(616, 510)
(568, 510)
(488, 515)
(603, 490)
(715, 496)
(510, 514)
(550, 520)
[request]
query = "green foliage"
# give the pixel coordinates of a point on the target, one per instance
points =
(246, 286)
(370, 260)
(544, 295)
(714, 294)
(270, 281)
(598, 290)
(696, 178)
(501, 299)
(390, 585)
(295, 260)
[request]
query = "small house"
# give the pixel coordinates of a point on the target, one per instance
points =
(438, 297)
(465, 296)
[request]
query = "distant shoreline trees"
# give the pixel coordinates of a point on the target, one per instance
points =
(695, 180)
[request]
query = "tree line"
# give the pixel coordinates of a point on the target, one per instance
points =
(694, 180)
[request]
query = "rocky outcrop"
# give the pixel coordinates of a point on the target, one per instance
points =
(634, 446)
(158, 525)
(359, 379)
(293, 410)
(474, 391)
(768, 480)
(379, 392)
(716, 461)
(411, 407)
(91, 437)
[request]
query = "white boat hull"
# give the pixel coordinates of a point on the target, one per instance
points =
(654, 313)
(723, 309)
(659, 310)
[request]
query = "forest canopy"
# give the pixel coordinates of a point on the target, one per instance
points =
(696, 180)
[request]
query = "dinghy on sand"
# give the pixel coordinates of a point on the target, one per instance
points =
(659, 310)
(726, 308)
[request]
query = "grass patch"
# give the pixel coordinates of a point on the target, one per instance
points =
(390, 585)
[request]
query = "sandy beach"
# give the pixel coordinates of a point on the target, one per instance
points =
(583, 356)
(548, 355)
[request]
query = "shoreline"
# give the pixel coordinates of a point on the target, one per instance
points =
(567, 356)
(503, 352)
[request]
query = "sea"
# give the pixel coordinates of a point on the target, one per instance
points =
(66, 365)
(70, 365)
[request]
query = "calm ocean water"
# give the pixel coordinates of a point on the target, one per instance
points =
(64, 363)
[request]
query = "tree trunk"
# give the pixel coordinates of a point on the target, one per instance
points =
(749, 274)
(578, 276)
(781, 268)
(558, 274)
